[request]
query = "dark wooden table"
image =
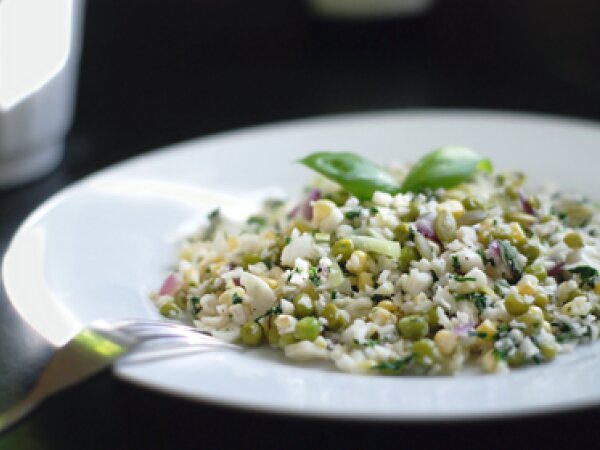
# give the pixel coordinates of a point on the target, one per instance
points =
(154, 73)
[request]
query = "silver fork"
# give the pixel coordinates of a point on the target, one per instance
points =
(99, 346)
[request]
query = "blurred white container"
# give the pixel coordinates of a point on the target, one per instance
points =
(368, 9)
(40, 43)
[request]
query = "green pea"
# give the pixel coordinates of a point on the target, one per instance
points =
(530, 250)
(250, 259)
(433, 318)
(516, 359)
(286, 340)
(423, 247)
(413, 327)
(335, 318)
(576, 293)
(541, 300)
(512, 192)
(445, 226)
(549, 351)
(472, 203)
(170, 310)
(533, 319)
(273, 336)
(251, 334)
(538, 271)
(343, 248)
(308, 329)
(407, 255)
(426, 352)
(515, 304)
(414, 211)
(402, 232)
(573, 240)
(303, 306)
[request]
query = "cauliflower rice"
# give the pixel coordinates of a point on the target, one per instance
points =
(407, 283)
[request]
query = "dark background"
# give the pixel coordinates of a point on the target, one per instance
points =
(158, 72)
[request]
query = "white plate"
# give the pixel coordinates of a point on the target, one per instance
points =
(96, 249)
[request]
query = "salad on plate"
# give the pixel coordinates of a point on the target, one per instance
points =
(418, 269)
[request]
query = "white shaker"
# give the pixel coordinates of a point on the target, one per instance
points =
(40, 43)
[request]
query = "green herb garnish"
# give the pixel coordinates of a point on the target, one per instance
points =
(456, 264)
(236, 298)
(478, 299)
(353, 173)
(313, 276)
(352, 214)
(588, 275)
(270, 312)
(394, 367)
(446, 167)
(443, 168)
(462, 279)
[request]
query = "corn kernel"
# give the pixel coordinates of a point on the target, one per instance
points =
(388, 305)
(233, 242)
(453, 206)
(357, 262)
(299, 224)
(270, 282)
(381, 316)
(517, 234)
(446, 341)
(597, 288)
(191, 276)
(489, 328)
(489, 363)
(547, 327)
(186, 253)
(322, 209)
(216, 267)
(365, 279)
(528, 285)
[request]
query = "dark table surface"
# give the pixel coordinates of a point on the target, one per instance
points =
(155, 73)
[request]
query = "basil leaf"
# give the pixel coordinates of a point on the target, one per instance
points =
(445, 168)
(354, 174)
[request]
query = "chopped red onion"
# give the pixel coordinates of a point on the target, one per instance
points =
(556, 269)
(526, 204)
(464, 330)
(495, 253)
(236, 281)
(171, 285)
(305, 208)
(425, 226)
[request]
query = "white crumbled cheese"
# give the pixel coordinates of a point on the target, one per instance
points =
(467, 236)
(359, 332)
(352, 202)
(238, 314)
(476, 281)
(331, 222)
(287, 307)
(416, 282)
(305, 351)
(299, 247)
(285, 324)
(468, 259)
(528, 348)
(208, 302)
(261, 295)
(344, 231)
(401, 203)
(382, 199)
(579, 306)
(445, 299)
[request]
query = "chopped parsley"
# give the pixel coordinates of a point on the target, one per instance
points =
(334, 295)
(270, 312)
(259, 221)
(588, 275)
(287, 240)
(456, 264)
(236, 298)
(478, 299)
(313, 276)
(196, 308)
(500, 355)
(394, 367)
(511, 257)
(484, 258)
(479, 334)
(373, 210)
(462, 279)
(434, 276)
(352, 214)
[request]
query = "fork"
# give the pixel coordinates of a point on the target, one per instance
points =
(98, 346)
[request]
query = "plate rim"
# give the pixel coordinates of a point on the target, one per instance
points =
(266, 128)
